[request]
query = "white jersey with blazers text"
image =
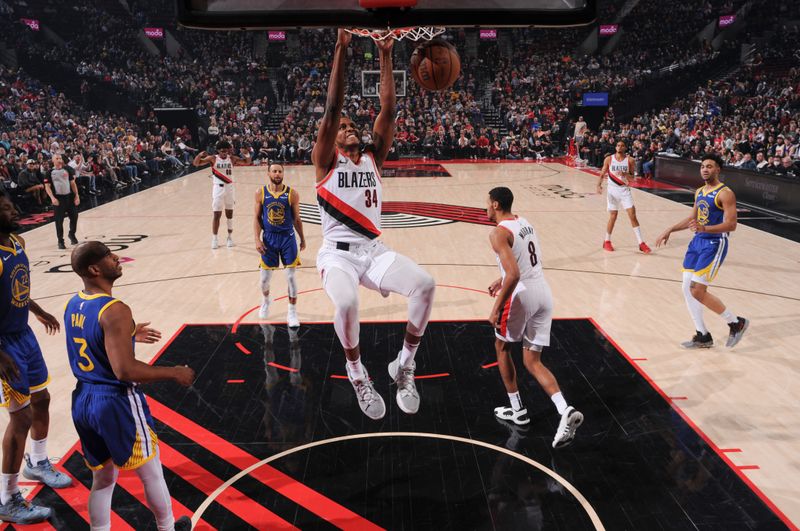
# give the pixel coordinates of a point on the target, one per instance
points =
(528, 313)
(618, 171)
(350, 198)
(525, 249)
(222, 170)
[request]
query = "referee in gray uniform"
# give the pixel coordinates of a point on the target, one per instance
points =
(60, 186)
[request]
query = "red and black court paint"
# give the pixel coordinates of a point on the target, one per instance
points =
(637, 458)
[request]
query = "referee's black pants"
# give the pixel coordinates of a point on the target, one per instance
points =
(66, 206)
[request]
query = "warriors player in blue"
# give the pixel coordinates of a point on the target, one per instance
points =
(109, 410)
(277, 216)
(713, 217)
(25, 379)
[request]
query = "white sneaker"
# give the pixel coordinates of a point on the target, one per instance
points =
(230, 242)
(407, 396)
(519, 417)
(291, 318)
(263, 311)
(214, 242)
(570, 420)
(370, 402)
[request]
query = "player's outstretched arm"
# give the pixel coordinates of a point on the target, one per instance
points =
(384, 128)
(257, 228)
(202, 158)
(501, 244)
(683, 224)
(294, 199)
(118, 328)
(603, 174)
(323, 153)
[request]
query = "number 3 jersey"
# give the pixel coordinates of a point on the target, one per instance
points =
(525, 250)
(86, 345)
(350, 198)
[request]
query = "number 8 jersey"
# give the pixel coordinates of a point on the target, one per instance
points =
(525, 249)
(350, 198)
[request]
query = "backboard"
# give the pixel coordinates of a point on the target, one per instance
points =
(263, 14)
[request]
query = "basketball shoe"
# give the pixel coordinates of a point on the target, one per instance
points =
(407, 396)
(570, 420)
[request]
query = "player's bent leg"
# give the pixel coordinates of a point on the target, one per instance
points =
(409, 279)
(342, 289)
(156, 492)
(103, 482)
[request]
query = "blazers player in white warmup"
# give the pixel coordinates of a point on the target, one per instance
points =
(523, 311)
(350, 195)
(619, 170)
(223, 193)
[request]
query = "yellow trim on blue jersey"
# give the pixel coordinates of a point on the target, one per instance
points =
(283, 191)
(262, 194)
(137, 458)
(717, 197)
(296, 260)
(88, 297)
(266, 267)
(688, 270)
(98, 467)
(105, 307)
(41, 386)
(10, 394)
(13, 248)
(711, 270)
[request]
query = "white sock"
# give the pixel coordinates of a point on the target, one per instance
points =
(608, 236)
(38, 451)
(408, 353)
(8, 486)
(355, 369)
(292, 308)
(560, 402)
(694, 305)
(638, 232)
(729, 317)
(516, 401)
(230, 225)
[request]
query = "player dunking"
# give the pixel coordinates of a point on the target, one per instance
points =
(523, 311)
(109, 410)
(350, 194)
(713, 217)
(223, 195)
(619, 170)
(23, 389)
(277, 216)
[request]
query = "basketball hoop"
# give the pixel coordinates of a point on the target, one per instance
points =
(418, 33)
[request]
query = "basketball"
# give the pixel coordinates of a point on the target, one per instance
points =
(435, 65)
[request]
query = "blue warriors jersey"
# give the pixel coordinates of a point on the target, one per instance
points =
(709, 210)
(276, 210)
(15, 288)
(86, 341)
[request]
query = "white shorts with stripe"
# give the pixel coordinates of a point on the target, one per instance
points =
(223, 197)
(619, 196)
(527, 315)
(365, 264)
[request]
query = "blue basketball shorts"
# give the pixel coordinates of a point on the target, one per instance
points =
(281, 250)
(23, 348)
(704, 258)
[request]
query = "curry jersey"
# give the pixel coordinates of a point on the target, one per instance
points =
(709, 210)
(525, 249)
(86, 346)
(15, 288)
(618, 171)
(276, 210)
(222, 169)
(350, 199)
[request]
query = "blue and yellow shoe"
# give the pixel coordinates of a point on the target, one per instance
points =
(18, 510)
(44, 472)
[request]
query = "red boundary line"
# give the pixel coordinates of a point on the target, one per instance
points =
(235, 381)
(748, 467)
(638, 359)
(764, 498)
(271, 477)
(490, 365)
(730, 450)
(283, 367)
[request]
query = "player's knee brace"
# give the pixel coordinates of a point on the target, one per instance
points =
(230, 224)
(266, 276)
(292, 282)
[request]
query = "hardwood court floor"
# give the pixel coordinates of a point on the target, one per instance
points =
(744, 400)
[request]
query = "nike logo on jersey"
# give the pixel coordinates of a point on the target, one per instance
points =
(357, 179)
(5, 258)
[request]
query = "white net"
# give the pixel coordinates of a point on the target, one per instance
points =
(419, 33)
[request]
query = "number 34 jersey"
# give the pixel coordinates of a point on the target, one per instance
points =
(525, 249)
(350, 198)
